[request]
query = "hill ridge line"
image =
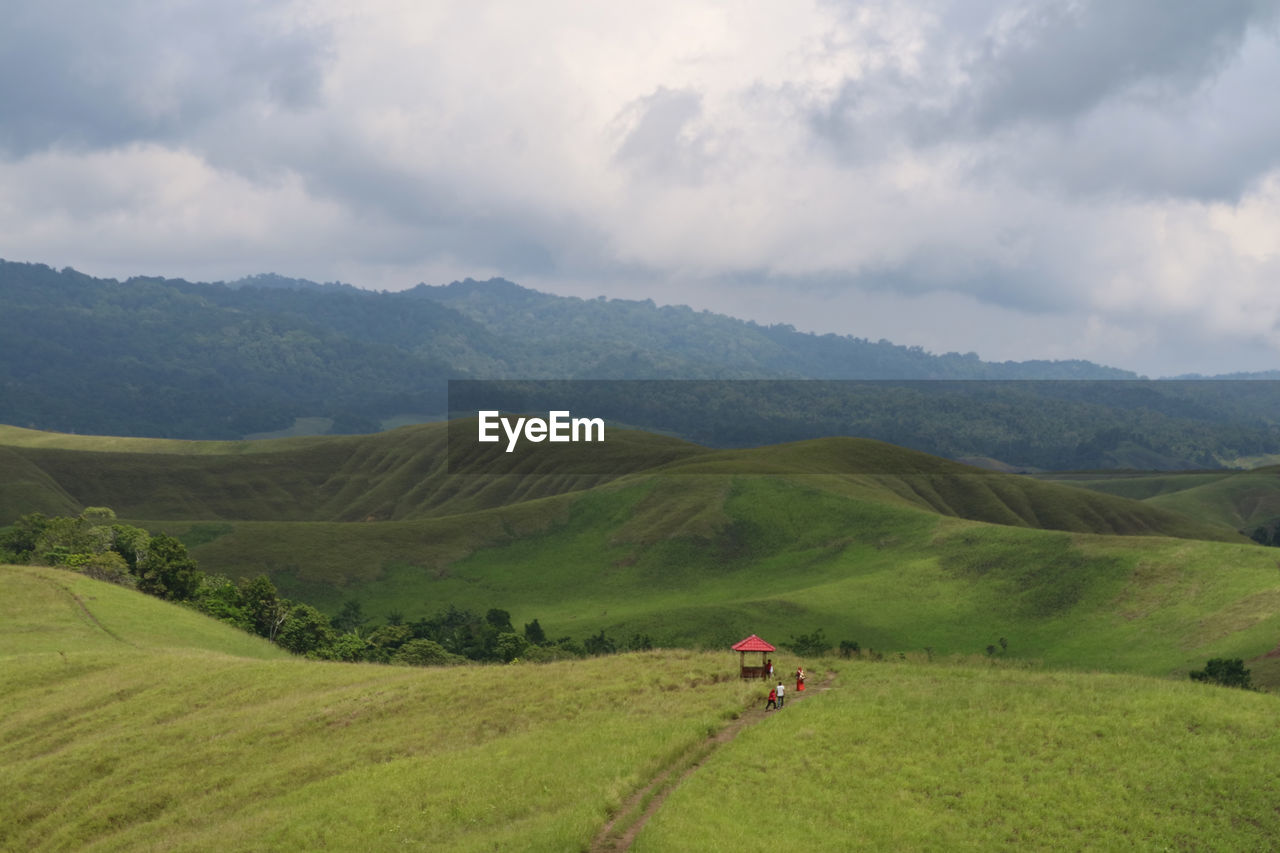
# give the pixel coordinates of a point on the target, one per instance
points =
(84, 608)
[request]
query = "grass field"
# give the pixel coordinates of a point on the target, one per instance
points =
(125, 725)
(914, 756)
(1237, 499)
(900, 551)
(130, 724)
(703, 561)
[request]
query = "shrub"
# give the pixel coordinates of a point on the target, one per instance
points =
(424, 653)
(810, 645)
(1226, 672)
(600, 644)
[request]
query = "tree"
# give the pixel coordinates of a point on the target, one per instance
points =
(168, 571)
(1228, 672)
(350, 617)
(107, 566)
(18, 543)
(221, 599)
(349, 648)
(510, 646)
(266, 611)
(600, 644)
(424, 653)
(499, 619)
(130, 543)
(533, 633)
(60, 538)
(306, 630)
(639, 643)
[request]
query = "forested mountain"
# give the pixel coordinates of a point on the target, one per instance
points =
(171, 358)
(167, 357)
(620, 339)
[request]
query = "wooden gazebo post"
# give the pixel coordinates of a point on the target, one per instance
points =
(753, 644)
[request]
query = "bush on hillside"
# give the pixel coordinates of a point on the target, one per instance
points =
(810, 645)
(425, 653)
(1228, 672)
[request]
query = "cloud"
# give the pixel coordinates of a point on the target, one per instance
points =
(93, 75)
(1069, 177)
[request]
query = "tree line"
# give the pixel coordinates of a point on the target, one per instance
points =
(97, 544)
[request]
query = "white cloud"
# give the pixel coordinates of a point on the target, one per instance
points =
(1072, 180)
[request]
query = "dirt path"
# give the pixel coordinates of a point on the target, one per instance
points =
(631, 817)
(84, 608)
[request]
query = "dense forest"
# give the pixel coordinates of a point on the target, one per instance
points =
(171, 358)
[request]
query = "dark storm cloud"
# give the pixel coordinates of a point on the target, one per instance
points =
(1149, 98)
(98, 75)
(1143, 98)
(1059, 62)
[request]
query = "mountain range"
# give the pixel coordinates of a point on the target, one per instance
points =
(273, 356)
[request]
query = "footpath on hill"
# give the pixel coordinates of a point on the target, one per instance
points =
(621, 830)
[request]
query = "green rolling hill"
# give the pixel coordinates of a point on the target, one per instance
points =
(872, 543)
(1238, 499)
(127, 723)
(130, 723)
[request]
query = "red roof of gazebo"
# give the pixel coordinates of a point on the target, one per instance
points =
(753, 644)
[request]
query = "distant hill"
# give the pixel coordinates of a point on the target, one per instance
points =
(702, 547)
(400, 475)
(275, 356)
(1248, 501)
(170, 358)
(625, 339)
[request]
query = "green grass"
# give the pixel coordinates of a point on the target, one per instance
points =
(1235, 499)
(130, 724)
(934, 757)
(131, 730)
(46, 611)
(900, 551)
(703, 561)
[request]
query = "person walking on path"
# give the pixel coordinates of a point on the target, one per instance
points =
(780, 689)
(773, 700)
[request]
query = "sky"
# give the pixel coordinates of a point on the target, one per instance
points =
(1096, 179)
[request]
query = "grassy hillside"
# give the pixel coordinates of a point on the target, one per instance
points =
(385, 476)
(905, 552)
(929, 757)
(123, 732)
(47, 611)
(139, 737)
(1238, 499)
(401, 474)
(698, 560)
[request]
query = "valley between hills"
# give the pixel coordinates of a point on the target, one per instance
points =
(1016, 650)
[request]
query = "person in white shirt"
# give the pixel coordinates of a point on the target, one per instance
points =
(780, 690)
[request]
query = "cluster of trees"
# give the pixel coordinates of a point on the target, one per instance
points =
(97, 544)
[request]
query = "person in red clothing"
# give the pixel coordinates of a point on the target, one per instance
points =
(773, 700)
(799, 679)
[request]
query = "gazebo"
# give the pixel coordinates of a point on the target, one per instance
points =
(753, 644)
